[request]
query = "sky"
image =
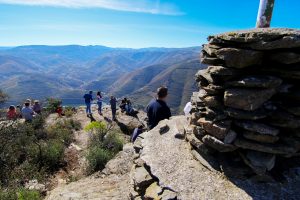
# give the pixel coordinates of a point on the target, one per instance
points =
(132, 23)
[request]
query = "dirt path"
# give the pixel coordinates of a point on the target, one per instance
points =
(76, 164)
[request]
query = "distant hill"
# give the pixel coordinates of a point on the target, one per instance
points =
(68, 71)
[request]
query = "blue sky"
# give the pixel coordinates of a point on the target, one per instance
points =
(131, 23)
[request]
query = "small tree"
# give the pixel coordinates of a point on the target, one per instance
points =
(265, 11)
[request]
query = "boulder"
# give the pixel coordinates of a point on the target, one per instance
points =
(239, 58)
(218, 144)
(243, 114)
(153, 191)
(142, 179)
(247, 99)
(218, 129)
(257, 127)
(267, 148)
(285, 57)
(256, 82)
(260, 137)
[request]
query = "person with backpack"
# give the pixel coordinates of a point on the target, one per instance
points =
(88, 98)
(99, 102)
(113, 105)
(158, 109)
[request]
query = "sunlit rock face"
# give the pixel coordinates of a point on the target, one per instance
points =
(248, 98)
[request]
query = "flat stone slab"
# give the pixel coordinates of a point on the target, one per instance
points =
(260, 38)
(256, 82)
(247, 99)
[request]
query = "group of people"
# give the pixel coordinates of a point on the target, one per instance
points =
(27, 111)
(157, 109)
(125, 105)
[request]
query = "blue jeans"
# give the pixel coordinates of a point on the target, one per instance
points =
(88, 108)
(99, 107)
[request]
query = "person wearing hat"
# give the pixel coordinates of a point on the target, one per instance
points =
(37, 107)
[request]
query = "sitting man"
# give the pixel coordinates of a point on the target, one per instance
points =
(27, 112)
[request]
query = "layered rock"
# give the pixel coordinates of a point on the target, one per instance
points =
(249, 97)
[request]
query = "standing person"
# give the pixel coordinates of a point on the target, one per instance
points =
(158, 109)
(99, 102)
(88, 98)
(27, 112)
(12, 113)
(37, 107)
(113, 105)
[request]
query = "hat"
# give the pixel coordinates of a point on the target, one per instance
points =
(28, 101)
(36, 101)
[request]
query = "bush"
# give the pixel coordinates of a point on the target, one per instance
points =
(97, 158)
(19, 194)
(69, 111)
(28, 195)
(52, 104)
(52, 154)
(113, 143)
(3, 97)
(103, 145)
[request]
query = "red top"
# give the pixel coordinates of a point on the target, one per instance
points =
(11, 114)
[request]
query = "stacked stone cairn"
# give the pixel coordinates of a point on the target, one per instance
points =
(249, 96)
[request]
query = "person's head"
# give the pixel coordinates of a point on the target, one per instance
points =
(28, 101)
(27, 104)
(36, 102)
(11, 107)
(90, 92)
(112, 97)
(162, 93)
(98, 93)
(125, 99)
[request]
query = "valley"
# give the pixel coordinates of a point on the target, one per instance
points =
(67, 72)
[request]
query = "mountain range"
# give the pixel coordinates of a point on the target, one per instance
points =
(68, 71)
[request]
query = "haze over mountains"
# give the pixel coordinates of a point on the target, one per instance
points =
(68, 71)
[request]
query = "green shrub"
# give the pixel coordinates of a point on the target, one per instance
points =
(97, 158)
(103, 145)
(52, 104)
(63, 134)
(98, 130)
(28, 195)
(113, 143)
(19, 194)
(69, 111)
(52, 154)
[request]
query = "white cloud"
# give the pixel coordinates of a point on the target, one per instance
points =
(143, 6)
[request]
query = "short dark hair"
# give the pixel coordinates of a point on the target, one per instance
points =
(162, 92)
(27, 104)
